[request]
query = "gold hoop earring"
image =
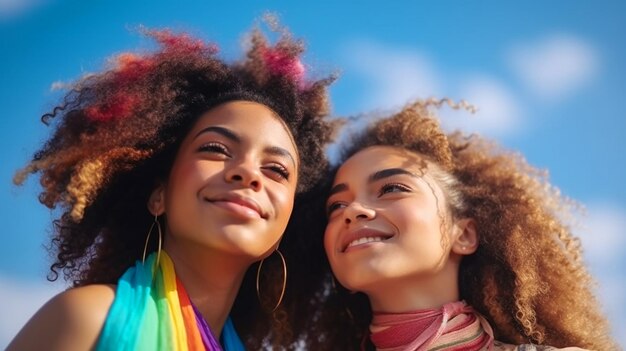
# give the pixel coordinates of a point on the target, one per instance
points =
(282, 292)
(145, 247)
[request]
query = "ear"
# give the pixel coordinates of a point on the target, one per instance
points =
(156, 201)
(465, 238)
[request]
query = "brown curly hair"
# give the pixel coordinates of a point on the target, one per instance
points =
(527, 275)
(116, 134)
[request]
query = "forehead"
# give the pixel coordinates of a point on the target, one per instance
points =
(375, 158)
(251, 121)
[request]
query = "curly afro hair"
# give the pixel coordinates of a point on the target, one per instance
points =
(527, 276)
(116, 134)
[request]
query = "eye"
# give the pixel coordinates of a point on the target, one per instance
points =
(393, 188)
(214, 147)
(332, 207)
(279, 170)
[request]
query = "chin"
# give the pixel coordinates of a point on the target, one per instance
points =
(351, 283)
(365, 280)
(256, 253)
(252, 252)
(250, 241)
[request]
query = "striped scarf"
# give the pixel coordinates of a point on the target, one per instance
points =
(152, 311)
(455, 326)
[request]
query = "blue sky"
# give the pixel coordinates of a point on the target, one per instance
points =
(549, 80)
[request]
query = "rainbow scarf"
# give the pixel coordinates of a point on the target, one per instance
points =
(455, 326)
(152, 311)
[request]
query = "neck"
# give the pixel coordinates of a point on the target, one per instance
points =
(413, 314)
(416, 292)
(455, 326)
(211, 278)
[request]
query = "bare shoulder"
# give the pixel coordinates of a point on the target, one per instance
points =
(72, 320)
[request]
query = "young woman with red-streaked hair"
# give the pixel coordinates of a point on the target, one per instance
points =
(174, 172)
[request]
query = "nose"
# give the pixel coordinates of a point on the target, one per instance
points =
(246, 173)
(356, 211)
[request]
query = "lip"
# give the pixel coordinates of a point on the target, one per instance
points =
(362, 233)
(238, 203)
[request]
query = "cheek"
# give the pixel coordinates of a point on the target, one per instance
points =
(282, 199)
(411, 213)
(179, 185)
(329, 238)
(185, 172)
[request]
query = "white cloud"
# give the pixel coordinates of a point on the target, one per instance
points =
(58, 85)
(603, 234)
(498, 110)
(555, 66)
(396, 75)
(12, 8)
(19, 300)
(612, 295)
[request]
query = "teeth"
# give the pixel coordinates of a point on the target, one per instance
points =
(364, 240)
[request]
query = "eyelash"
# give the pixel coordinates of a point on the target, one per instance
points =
(280, 170)
(393, 186)
(221, 149)
(214, 147)
(383, 190)
(332, 207)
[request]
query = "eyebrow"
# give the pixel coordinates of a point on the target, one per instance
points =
(279, 151)
(227, 133)
(337, 189)
(385, 173)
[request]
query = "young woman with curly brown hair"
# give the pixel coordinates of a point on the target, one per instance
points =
(446, 242)
(174, 172)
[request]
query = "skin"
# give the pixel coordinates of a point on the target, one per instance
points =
(383, 192)
(387, 192)
(227, 201)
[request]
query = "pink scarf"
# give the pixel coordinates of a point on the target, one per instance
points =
(455, 326)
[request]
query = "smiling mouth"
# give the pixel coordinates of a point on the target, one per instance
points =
(366, 240)
(238, 205)
(364, 237)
